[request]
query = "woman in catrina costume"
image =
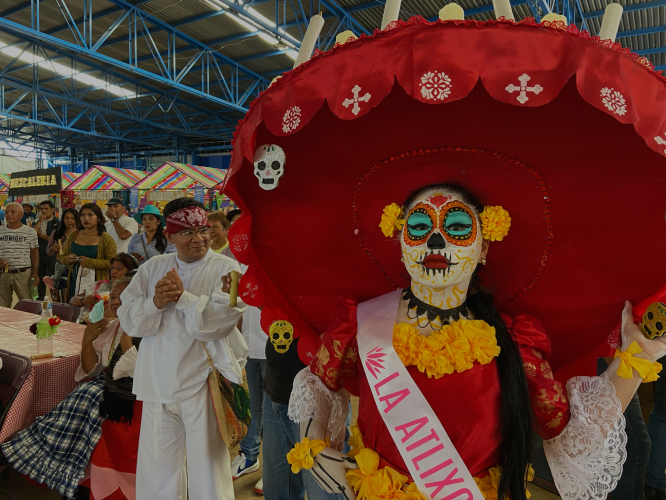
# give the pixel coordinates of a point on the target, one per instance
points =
(472, 204)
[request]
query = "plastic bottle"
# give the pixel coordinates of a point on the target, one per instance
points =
(34, 291)
(47, 309)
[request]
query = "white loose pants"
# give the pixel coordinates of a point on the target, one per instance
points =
(172, 433)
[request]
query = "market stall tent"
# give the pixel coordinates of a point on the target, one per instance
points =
(4, 183)
(99, 183)
(68, 178)
(173, 180)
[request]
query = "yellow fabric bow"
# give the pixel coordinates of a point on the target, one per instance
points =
(302, 455)
(653, 374)
(628, 363)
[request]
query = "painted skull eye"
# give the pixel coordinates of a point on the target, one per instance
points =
(659, 326)
(261, 165)
(276, 336)
(419, 224)
(275, 165)
(650, 315)
(458, 224)
(287, 335)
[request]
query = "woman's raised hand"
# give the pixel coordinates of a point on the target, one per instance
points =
(94, 330)
(655, 348)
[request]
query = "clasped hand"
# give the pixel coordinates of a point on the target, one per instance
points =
(330, 466)
(168, 289)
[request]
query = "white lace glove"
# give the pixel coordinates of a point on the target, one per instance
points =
(330, 466)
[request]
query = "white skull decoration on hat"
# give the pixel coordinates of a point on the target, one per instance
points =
(269, 161)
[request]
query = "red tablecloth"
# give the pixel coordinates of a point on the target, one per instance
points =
(50, 380)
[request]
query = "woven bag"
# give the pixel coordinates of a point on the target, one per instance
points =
(231, 403)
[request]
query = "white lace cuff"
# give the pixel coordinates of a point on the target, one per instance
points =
(586, 458)
(125, 365)
(310, 398)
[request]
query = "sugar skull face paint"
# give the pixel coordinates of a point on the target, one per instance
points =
(441, 246)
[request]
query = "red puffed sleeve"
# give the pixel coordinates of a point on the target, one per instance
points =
(335, 361)
(549, 400)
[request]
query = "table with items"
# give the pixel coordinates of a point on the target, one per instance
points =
(50, 379)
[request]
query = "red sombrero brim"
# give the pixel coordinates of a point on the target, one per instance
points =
(585, 191)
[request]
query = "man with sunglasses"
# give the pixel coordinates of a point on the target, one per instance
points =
(177, 304)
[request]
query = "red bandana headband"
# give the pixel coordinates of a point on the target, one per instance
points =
(186, 218)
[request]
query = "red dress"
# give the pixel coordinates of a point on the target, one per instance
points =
(467, 404)
(113, 462)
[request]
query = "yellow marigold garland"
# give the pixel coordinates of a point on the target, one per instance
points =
(453, 348)
(302, 455)
(488, 485)
(372, 483)
(495, 223)
(391, 219)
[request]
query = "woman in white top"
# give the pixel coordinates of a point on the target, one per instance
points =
(56, 449)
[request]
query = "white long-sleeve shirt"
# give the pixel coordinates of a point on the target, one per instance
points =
(172, 364)
(254, 336)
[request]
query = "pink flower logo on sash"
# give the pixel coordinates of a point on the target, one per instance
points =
(374, 362)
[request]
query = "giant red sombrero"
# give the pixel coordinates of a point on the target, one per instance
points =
(563, 130)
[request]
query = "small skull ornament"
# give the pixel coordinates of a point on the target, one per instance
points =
(281, 334)
(269, 161)
(654, 320)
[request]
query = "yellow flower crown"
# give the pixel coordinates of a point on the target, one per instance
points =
(495, 222)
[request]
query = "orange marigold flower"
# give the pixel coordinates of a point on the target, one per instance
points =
(391, 219)
(495, 223)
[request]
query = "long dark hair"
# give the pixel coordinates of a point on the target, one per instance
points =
(60, 232)
(94, 208)
(160, 238)
(516, 412)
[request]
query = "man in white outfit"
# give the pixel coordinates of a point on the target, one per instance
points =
(177, 304)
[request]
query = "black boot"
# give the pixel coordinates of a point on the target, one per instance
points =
(654, 494)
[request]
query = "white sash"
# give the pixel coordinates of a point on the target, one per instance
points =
(432, 460)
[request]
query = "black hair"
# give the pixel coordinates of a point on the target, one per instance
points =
(47, 202)
(516, 412)
(94, 208)
(178, 203)
(128, 260)
(160, 238)
(60, 232)
(233, 213)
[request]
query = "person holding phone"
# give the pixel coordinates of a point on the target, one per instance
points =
(88, 251)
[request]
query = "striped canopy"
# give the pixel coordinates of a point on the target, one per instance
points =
(4, 183)
(176, 176)
(100, 178)
(68, 178)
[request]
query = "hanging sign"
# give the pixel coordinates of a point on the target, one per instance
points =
(39, 181)
(199, 193)
(134, 199)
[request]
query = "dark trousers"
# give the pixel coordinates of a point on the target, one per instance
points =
(632, 482)
(657, 429)
(46, 268)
